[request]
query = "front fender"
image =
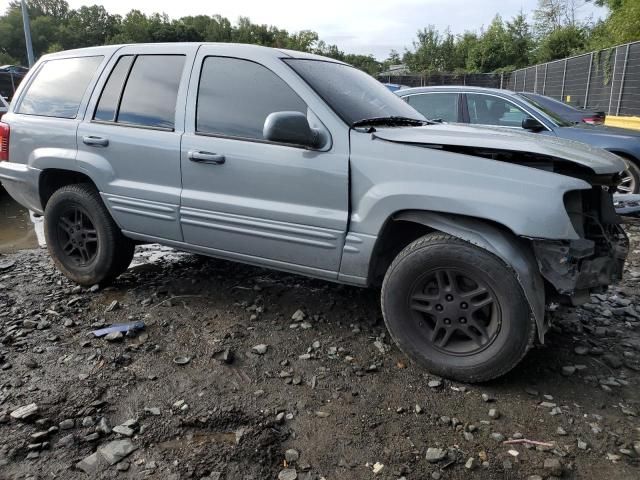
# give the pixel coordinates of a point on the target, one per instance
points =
(513, 251)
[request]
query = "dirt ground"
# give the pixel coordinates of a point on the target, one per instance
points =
(330, 398)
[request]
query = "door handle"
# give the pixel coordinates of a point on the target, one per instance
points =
(95, 141)
(206, 157)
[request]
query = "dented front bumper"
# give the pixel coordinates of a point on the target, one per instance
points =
(579, 267)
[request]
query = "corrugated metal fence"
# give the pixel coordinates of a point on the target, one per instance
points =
(607, 80)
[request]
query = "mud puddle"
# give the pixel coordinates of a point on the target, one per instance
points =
(19, 230)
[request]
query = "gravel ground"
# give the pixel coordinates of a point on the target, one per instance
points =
(244, 373)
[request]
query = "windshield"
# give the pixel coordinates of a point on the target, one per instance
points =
(350, 92)
(554, 117)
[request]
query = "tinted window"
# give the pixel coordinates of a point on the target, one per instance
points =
(436, 106)
(59, 87)
(149, 98)
(490, 110)
(350, 92)
(108, 104)
(236, 96)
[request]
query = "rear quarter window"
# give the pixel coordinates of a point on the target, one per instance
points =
(59, 87)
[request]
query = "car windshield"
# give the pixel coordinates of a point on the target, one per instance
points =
(351, 93)
(554, 117)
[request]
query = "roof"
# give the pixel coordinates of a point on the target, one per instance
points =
(235, 48)
(454, 88)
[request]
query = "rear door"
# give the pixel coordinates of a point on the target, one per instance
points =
(129, 141)
(263, 202)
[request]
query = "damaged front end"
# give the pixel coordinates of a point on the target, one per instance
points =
(577, 268)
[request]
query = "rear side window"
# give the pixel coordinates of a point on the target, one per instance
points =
(236, 96)
(151, 84)
(59, 87)
(436, 106)
(110, 97)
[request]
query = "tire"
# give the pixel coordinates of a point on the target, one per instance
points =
(85, 243)
(631, 177)
(456, 309)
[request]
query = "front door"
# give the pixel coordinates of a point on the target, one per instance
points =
(250, 199)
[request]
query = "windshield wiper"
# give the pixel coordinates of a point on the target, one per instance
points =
(390, 121)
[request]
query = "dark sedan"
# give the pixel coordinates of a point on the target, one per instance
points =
(566, 112)
(503, 108)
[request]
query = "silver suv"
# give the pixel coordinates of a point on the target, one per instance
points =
(304, 164)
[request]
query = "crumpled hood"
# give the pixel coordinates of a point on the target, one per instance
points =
(598, 160)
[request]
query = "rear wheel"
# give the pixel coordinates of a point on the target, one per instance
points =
(83, 240)
(456, 309)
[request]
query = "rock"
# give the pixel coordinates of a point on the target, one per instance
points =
(298, 316)
(123, 466)
(568, 370)
(548, 404)
(377, 468)
(494, 413)
(288, 474)
(67, 424)
(612, 360)
(152, 411)
(87, 422)
(418, 409)
(25, 412)
(471, 464)
(636, 447)
(434, 383)
(90, 465)
(114, 337)
(434, 455)
(66, 441)
(487, 398)
(103, 426)
(553, 466)
(581, 350)
(260, 349)
(225, 356)
(582, 445)
(322, 414)
(112, 306)
(534, 477)
(115, 451)
(561, 431)
(291, 455)
(124, 430)
(498, 437)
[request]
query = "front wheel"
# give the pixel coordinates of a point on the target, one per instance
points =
(456, 309)
(630, 181)
(83, 240)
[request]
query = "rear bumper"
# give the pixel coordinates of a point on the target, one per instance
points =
(21, 182)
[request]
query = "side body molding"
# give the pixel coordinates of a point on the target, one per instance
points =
(509, 248)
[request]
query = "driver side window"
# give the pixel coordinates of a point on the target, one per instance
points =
(490, 110)
(236, 96)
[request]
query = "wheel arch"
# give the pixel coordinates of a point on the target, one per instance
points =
(52, 179)
(404, 227)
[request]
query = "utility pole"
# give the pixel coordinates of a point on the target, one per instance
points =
(27, 33)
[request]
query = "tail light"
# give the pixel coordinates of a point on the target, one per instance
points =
(593, 120)
(4, 142)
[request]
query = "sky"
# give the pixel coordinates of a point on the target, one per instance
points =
(356, 26)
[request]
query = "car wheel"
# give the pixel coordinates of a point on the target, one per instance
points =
(630, 182)
(456, 309)
(83, 240)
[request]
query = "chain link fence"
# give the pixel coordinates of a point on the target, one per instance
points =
(606, 80)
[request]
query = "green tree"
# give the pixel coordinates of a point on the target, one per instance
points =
(562, 42)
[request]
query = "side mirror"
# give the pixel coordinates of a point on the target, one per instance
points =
(289, 127)
(530, 123)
